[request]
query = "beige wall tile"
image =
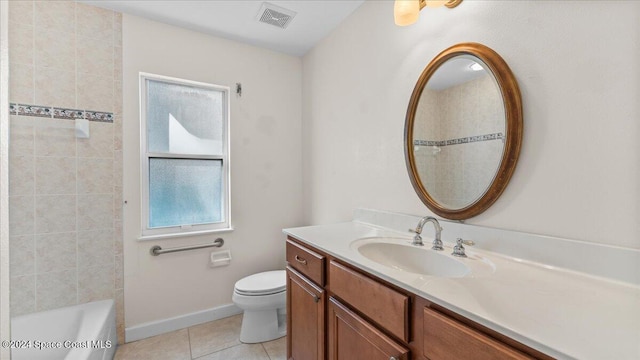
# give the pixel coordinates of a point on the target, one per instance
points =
(117, 202)
(55, 213)
(54, 87)
(119, 272)
(95, 212)
(95, 23)
(51, 140)
(120, 315)
(23, 295)
(117, 237)
(55, 16)
(117, 136)
(21, 136)
(45, 71)
(20, 12)
(56, 289)
(95, 248)
(95, 57)
(117, 29)
(117, 99)
(21, 176)
(117, 167)
(96, 283)
(117, 63)
(21, 84)
(21, 215)
(22, 254)
(21, 44)
(100, 142)
(95, 176)
(55, 175)
(95, 92)
(56, 252)
(55, 50)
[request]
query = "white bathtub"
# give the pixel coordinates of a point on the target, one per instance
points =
(80, 332)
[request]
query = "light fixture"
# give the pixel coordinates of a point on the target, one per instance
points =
(406, 12)
(476, 67)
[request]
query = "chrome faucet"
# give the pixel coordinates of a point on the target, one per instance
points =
(458, 250)
(417, 240)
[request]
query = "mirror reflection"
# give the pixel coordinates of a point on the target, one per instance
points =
(463, 131)
(459, 131)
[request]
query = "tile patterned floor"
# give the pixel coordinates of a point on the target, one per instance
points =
(214, 340)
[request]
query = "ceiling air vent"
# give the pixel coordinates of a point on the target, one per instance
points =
(275, 15)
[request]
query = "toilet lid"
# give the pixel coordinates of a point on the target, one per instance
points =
(264, 283)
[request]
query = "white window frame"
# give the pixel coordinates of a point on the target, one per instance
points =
(189, 229)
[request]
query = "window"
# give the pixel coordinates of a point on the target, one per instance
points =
(184, 157)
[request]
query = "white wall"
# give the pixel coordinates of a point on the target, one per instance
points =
(266, 167)
(577, 66)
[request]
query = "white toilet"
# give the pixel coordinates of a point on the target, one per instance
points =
(263, 298)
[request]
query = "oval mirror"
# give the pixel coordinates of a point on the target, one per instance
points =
(463, 131)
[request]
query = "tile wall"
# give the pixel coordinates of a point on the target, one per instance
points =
(65, 192)
(466, 122)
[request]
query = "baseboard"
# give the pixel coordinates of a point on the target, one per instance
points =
(158, 327)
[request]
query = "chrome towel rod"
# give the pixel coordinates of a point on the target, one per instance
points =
(157, 250)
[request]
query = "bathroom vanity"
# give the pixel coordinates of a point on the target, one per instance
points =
(369, 318)
(349, 298)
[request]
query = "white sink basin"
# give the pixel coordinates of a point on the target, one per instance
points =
(399, 254)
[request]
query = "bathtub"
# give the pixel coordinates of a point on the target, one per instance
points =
(81, 332)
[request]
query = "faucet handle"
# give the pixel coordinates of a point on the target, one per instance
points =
(458, 250)
(417, 240)
(466, 242)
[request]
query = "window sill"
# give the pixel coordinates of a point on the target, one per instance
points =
(183, 234)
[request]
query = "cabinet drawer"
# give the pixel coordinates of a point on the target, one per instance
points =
(385, 306)
(306, 261)
(446, 338)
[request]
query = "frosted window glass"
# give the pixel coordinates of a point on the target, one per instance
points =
(184, 119)
(185, 192)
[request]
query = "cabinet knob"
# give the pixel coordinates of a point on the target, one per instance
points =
(393, 358)
(301, 260)
(316, 298)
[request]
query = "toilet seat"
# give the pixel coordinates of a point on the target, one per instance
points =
(265, 283)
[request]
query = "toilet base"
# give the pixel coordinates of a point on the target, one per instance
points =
(263, 325)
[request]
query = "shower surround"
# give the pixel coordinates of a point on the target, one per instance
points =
(65, 193)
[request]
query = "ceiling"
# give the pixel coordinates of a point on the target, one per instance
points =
(236, 20)
(457, 71)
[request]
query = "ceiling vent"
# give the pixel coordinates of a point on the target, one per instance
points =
(275, 15)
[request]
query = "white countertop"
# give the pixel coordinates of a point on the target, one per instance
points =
(562, 313)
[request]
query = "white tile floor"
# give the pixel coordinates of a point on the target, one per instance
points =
(214, 340)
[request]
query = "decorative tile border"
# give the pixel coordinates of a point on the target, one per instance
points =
(59, 113)
(30, 110)
(98, 116)
(465, 140)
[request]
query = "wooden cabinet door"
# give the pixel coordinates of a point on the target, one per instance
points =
(353, 338)
(305, 318)
(448, 339)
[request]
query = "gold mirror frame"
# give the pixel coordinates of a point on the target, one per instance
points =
(513, 132)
